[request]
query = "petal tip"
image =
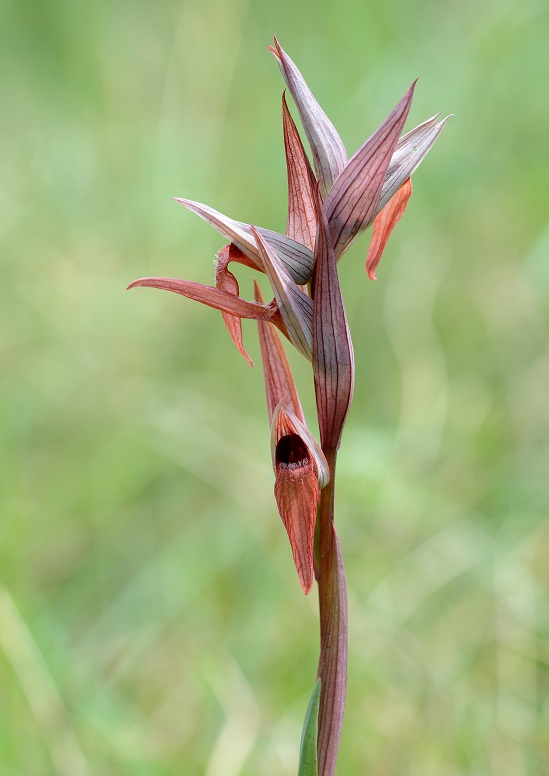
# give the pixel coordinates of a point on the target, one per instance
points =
(258, 296)
(135, 284)
(410, 93)
(275, 50)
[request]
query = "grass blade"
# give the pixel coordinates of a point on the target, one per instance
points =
(307, 752)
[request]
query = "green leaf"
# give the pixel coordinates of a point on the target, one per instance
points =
(307, 752)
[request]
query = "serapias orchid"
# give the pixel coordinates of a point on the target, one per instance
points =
(329, 204)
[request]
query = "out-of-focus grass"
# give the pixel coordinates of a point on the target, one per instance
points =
(151, 622)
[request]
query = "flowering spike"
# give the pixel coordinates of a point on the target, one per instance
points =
(384, 224)
(210, 296)
(226, 281)
(329, 155)
(301, 181)
(279, 381)
(333, 358)
(295, 307)
(352, 202)
(297, 259)
(410, 151)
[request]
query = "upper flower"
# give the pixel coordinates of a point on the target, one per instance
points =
(373, 185)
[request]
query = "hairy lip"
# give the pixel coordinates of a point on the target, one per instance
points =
(291, 467)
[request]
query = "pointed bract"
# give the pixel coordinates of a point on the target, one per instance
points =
(333, 358)
(411, 150)
(226, 281)
(297, 259)
(279, 381)
(329, 155)
(384, 224)
(301, 224)
(353, 200)
(295, 307)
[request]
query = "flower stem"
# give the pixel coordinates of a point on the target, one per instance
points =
(332, 664)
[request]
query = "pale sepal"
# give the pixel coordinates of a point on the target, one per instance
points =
(410, 151)
(297, 259)
(296, 308)
(329, 155)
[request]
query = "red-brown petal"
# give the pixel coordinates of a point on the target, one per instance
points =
(384, 224)
(301, 225)
(210, 296)
(296, 492)
(226, 281)
(279, 381)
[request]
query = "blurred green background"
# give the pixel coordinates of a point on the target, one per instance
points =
(151, 622)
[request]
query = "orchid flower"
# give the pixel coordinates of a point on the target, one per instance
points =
(300, 468)
(330, 203)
